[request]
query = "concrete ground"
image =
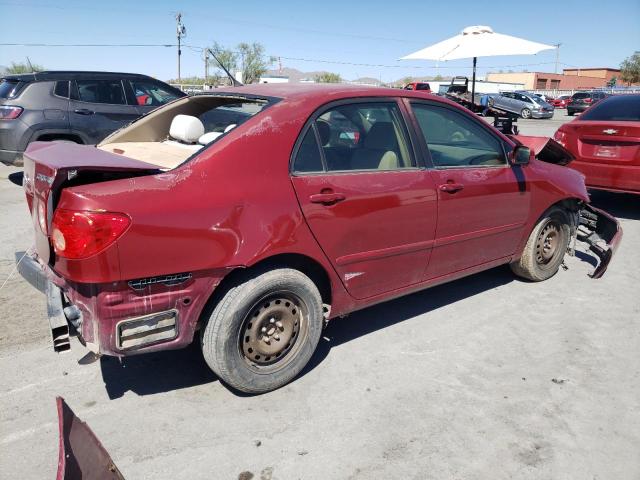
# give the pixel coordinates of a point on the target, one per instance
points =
(486, 377)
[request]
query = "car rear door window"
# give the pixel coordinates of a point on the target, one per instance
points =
(151, 93)
(101, 91)
(308, 157)
(457, 141)
(363, 136)
(62, 89)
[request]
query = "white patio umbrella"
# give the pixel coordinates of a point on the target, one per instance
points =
(477, 41)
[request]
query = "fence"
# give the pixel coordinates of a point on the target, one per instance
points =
(616, 91)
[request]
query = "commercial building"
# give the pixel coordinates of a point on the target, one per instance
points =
(570, 79)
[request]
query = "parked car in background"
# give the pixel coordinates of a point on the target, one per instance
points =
(423, 86)
(605, 141)
(561, 102)
(251, 235)
(81, 107)
(524, 104)
(580, 101)
(544, 98)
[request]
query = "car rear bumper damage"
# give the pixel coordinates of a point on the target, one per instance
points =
(602, 233)
(121, 318)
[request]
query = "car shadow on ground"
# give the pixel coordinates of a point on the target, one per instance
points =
(172, 370)
(620, 205)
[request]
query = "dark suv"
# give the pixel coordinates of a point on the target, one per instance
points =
(82, 107)
(582, 100)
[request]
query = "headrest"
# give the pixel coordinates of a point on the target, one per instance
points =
(324, 132)
(208, 137)
(186, 129)
(381, 136)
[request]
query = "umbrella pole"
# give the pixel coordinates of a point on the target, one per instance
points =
(473, 82)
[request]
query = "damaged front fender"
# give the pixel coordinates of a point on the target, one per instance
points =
(602, 232)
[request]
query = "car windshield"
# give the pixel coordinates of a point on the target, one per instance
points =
(581, 95)
(9, 88)
(622, 108)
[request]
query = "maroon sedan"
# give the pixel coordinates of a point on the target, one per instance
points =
(561, 102)
(253, 215)
(605, 141)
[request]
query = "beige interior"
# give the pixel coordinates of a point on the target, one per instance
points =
(146, 139)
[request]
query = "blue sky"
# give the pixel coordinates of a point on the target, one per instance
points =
(592, 34)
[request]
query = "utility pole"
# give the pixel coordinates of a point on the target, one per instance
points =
(557, 45)
(206, 66)
(181, 32)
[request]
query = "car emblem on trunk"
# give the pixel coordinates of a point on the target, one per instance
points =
(610, 131)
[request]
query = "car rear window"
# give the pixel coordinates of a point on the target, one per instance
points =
(581, 95)
(10, 88)
(622, 108)
(422, 86)
(223, 118)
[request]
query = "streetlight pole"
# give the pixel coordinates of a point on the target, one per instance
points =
(557, 45)
(181, 32)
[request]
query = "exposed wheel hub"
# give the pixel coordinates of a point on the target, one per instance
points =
(547, 243)
(271, 329)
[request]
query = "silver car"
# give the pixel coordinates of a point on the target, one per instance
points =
(524, 104)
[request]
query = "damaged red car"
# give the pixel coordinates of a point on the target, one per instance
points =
(249, 217)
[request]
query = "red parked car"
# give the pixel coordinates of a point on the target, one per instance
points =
(252, 215)
(605, 141)
(421, 86)
(561, 102)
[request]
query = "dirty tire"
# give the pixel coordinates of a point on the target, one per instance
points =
(570, 113)
(545, 248)
(525, 113)
(279, 314)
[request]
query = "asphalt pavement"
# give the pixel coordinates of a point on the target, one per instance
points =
(485, 377)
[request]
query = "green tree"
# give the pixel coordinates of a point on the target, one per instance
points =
(254, 62)
(18, 68)
(612, 82)
(438, 78)
(328, 77)
(630, 69)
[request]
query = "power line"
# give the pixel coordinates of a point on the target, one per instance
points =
(197, 48)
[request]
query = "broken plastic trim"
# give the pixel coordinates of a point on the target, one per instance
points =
(168, 280)
(602, 233)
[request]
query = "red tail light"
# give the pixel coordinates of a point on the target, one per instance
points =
(560, 137)
(9, 113)
(588, 100)
(81, 234)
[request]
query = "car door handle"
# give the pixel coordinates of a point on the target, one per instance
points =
(451, 187)
(84, 111)
(326, 198)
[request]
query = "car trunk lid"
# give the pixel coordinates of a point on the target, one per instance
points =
(614, 143)
(49, 167)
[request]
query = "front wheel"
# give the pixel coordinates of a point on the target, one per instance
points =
(545, 248)
(264, 330)
(525, 113)
(570, 113)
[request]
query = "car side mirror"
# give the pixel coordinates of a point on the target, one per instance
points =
(521, 155)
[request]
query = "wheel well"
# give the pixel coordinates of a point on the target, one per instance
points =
(307, 265)
(47, 137)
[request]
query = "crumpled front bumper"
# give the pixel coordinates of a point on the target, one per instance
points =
(602, 232)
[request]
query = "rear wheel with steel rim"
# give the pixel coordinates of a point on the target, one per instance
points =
(545, 248)
(264, 330)
(525, 113)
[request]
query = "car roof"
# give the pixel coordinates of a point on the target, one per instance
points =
(70, 75)
(321, 92)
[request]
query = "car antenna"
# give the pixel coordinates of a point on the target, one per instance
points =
(234, 81)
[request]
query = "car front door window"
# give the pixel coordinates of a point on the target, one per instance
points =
(456, 141)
